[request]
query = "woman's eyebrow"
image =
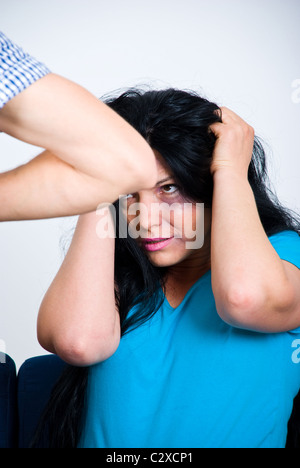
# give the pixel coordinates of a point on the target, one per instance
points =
(164, 180)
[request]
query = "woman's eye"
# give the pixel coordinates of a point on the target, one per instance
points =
(169, 189)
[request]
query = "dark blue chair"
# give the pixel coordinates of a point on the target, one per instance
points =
(36, 379)
(8, 402)
(293, 438)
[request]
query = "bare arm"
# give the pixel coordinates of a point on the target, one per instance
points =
(254, 289)
(78, 318)
(85, 134)
(47, 187)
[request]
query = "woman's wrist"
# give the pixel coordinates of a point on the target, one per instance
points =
(229, 173)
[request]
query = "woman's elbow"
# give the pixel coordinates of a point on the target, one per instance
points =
(81, 354)
(81, 351)
(242, 308)
(259, 310)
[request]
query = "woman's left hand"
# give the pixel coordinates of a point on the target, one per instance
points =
(234, 145)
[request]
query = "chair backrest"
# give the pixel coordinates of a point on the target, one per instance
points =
(293, 438)
(36, 379)
(8, 402)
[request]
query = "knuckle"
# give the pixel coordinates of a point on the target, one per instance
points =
(251, 130)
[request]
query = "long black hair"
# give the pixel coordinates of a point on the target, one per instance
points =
(176, 124)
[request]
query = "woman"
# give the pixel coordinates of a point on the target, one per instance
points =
(207, 333)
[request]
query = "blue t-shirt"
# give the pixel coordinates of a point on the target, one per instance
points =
(186, 379)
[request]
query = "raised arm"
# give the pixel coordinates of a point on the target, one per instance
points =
(64, 118)
(92, 141)
(95, 154)
(78, 319)
(253, 288)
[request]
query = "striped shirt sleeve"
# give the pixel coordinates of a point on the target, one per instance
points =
(18, 70)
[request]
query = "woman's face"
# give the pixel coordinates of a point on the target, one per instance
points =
(169, 227)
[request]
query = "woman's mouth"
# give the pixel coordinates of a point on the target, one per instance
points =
(152, 245)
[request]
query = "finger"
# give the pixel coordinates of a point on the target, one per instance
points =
(229, 116)
(216, 129)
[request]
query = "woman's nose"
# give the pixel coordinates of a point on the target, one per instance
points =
(150, 216)
(156, 220)
(146, 216)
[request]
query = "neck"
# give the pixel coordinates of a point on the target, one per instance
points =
(191, 269)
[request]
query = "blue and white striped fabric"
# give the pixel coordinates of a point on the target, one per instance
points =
(18, 70)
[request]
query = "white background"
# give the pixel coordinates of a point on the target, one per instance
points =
(240, 53)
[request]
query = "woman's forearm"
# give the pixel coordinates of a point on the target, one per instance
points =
(247, 274)
(253, 288)
(78, 319)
